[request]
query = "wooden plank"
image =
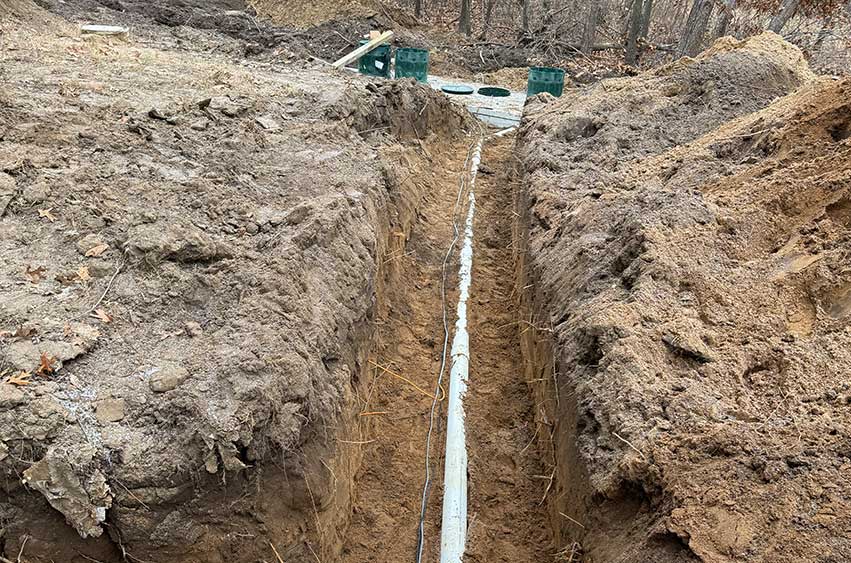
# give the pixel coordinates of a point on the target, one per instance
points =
(364, 49)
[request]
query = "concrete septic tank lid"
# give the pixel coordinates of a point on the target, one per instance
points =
(458, 89)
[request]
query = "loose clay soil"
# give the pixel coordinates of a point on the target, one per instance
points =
(191, 250)
(687, 240)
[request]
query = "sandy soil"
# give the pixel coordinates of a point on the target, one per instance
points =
(686, 262)
(191, 250)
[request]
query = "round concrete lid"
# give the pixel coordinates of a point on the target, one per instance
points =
(458, 89)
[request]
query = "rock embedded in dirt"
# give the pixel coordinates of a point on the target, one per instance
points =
(268, 123)
(89, 242)
(193, 329)
(174, 241)
(70, 481)
(226, 105)
(110, 410)
(36, 193)
(168, 378)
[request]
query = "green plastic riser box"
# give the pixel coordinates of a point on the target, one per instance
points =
(412, 63)
(545, 79)
(376, 62)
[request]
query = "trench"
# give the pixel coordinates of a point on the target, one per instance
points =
(509, 476)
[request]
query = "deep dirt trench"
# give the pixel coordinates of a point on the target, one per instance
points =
(506, 483)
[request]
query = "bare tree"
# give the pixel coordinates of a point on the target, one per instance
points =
(787, 10)
(633, 31)
(418, 8)
(646, 13)
(488, 16)
(725, 18)
(589, 31)
(691, 40)
(526, 10)
(465, 21)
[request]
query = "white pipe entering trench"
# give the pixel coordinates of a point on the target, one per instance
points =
(453, 534)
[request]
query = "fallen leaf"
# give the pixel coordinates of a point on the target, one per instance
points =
(35, 275)
(102, 315)
(46, 214)
(97, 250)
(21, 378)
(45, 367)
(23, 332)
(83, 274)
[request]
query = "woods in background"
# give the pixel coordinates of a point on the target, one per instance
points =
(639, 27)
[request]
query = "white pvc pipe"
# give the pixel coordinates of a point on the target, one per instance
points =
(504, 132)
(453, 534)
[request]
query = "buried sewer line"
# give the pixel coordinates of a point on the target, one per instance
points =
(438, 386)
(453, 531)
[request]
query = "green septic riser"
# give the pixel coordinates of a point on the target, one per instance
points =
(412, 63)
(545, 79)
(376, 62)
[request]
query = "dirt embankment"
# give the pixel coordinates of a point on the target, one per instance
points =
(230, 27)
(688, 251)
(191, 250)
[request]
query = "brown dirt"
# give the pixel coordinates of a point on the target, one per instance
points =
(230, 27)
(685, 272)
(305, 14)
(507, 482)
(227, 222)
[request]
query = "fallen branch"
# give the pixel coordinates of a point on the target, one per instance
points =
(628, 443)
(108, 287)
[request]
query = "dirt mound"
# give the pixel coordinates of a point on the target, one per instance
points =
(692, 279)
(190, 254)
(223, 26)
(301, 14)
(17, 13)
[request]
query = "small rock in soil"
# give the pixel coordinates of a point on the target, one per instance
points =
(168, 378)
(88, 242)
(110, 410)
(36, 193)
(193, 329)
(268, 123)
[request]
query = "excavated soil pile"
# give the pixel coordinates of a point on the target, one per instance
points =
(689, 237)
(304, 14)
(230, 26)
(190, 255)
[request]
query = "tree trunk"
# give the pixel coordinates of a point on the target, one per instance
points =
(525, 16)
(418, 9)
(634, 30)
(589, 32)
(488, 15)
(725, 18)
(695, 29)
(787, 10)
(464, 22)
(645, 19)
